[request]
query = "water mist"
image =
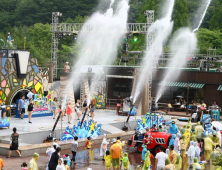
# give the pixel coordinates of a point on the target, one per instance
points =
(183, 45)
(162, 28)
(204, 13)
(99, 45)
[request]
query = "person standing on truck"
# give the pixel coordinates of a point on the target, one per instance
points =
(173, 129)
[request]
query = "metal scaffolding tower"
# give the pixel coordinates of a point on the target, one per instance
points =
(75, 28)
(149, 41)
(54, 45)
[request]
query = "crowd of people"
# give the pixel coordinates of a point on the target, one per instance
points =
(69, 109)
(55, 108)
(187, 147)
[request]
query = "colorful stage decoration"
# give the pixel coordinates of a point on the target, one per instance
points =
(41, 107)
(49, 96)
(149, 120)
(10, 83)
(5, 122)
(100, 101)
(91, 130)
(133, 112)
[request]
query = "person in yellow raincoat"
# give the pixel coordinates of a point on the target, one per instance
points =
(119, 141)
(178, 165)
(172, 155)
(168, 165)
(195, 163)
(208, 145)
(32, 163)
(213, 157)
(189, 125)
(199, 130)
(183, 146)
(147, 162)
(121, 144)
(194, 136)
(108, 160)
(125, 161)
(215, 138)
(182, 130)
(187, 135)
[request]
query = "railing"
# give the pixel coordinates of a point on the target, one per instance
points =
(76, 27)
(111, 104)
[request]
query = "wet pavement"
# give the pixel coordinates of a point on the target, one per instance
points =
(83, 160)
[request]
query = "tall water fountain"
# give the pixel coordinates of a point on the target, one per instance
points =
(203, 15)
(161, 29)
(182, 46)
(99, 45)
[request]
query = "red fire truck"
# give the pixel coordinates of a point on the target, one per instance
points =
(156, 139)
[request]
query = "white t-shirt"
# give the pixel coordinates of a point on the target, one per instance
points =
(161, 156)
(30, 94)
(60, 167)
(74, 146)
(50, 151)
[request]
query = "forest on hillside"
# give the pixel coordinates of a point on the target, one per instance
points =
(32, 18)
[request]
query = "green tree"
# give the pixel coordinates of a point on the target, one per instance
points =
(209, 39)
(180, 14)
(216, 21)
(39, 43)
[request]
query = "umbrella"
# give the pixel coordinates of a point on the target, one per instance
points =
(180, 96)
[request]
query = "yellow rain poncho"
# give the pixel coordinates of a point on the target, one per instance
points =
(208, 145)
(178, 162)
(183, 146)
(194, 136)
(32, 164)
(199, 130)
(195, 163)
(125, 161)
(147, 162)
(182, 130)
(187, 135)
(213, 157)
(189, 125)
(168, 165)
(215, 138)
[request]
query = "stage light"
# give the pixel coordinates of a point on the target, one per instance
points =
(135, 39)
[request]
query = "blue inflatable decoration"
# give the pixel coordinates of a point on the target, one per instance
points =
(133, 112)
(149, 120)
(208, 129)
(91, 130)
(5, 122)
(183, 119)
(206, 118)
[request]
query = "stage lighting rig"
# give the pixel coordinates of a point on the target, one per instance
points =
(135, 37)
(75, 36)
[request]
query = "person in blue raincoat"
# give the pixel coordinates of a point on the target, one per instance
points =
(173, 129)
(172, 139)
(144, 152)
